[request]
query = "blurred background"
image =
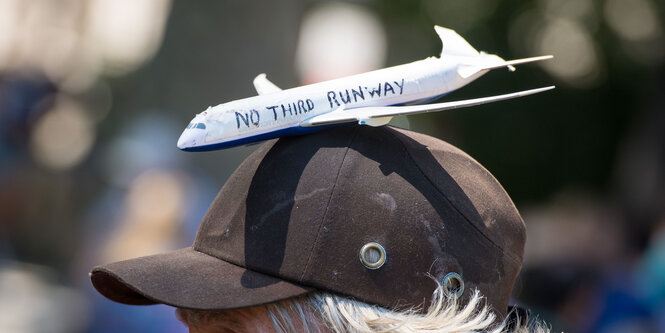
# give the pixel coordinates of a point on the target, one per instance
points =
(94, 94)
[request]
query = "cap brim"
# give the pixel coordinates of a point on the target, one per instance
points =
(189, 279)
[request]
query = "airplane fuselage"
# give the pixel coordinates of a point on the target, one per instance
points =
(370, 99)
(280, 113)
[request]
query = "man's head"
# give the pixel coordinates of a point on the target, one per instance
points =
(378, 215)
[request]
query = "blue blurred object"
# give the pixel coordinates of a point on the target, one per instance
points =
(622, 309)
(23, 98)
(651, 272)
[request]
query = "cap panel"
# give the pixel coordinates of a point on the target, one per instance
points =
(483, 201)
(480, 198)
(223, 221)
(284, 192)
(383, 197)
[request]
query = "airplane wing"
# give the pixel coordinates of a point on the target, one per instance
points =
(466, 71)
(377, 116)
(263, 86)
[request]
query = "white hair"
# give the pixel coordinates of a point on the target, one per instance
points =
(321, 312)
(341, 315)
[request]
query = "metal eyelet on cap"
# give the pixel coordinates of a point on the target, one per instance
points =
(372, 255)
(453, 285)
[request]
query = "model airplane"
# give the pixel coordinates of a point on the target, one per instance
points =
(371, 98)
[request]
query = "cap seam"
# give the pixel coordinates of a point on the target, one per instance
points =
(325, 214)
(510, 255)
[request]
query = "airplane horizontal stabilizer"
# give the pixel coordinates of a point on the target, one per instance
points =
(362, 115)
(466, 71)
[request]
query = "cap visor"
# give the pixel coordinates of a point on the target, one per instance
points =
(189, 279)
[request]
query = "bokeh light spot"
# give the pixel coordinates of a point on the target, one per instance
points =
(524, 32)
(573, 9)
(152, 216)
(126, 32)
(330, 47)
(576, 60)
(7, 26)
(63, 137)
(155, 197)
(634, 20)
(460, 15)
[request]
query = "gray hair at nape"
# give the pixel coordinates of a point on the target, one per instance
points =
(321, 312)
(340, 315)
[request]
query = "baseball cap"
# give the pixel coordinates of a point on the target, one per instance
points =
(376, 214)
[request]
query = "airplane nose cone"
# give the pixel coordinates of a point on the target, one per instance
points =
(190, 139)
(182, 141)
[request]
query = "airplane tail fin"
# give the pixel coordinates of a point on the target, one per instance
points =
(453, 43)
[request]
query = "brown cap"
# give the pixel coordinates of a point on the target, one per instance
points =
(298, 213)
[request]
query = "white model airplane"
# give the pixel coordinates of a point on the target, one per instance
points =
(371, 98)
